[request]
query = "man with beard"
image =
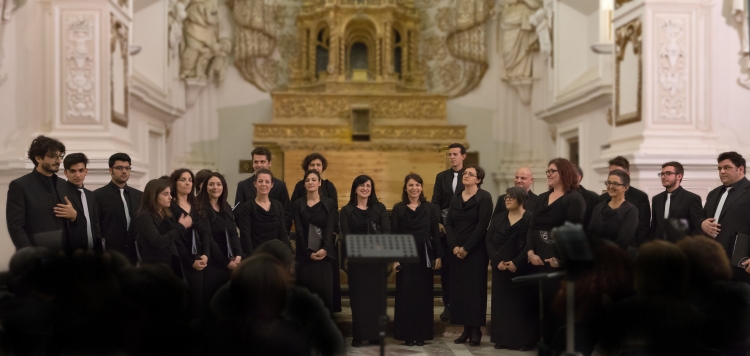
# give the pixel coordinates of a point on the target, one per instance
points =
(118, 203)
(38, 212)
(524, 179)
(674, 203)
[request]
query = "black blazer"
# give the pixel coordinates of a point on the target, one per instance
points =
(112, 219)
(157, 237)
(246, 191)
(682, 205)
(591, 199)
(734, 217)
(303, 254)
(29, 209)
(528, 205)
(640, 200)
(79, 235)
(442, 193)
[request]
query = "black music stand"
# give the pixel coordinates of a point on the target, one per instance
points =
(385, 249)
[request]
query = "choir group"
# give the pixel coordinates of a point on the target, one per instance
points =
(185, 221)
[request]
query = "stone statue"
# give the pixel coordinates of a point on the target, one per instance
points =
(740, 13)
(541, 20)
(203, 51)
(519, 37)
(177, 14)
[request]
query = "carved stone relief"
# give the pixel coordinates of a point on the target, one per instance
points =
(204, 54)
(740, 18)
(177, 14)
(80, 102)
(629, 33)
(672, 69)
(119, 83)
(6, 13)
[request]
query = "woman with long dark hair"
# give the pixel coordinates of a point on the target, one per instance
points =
(561, 203)
(261, 219)
(157, 230)
(513, 310)
(414, 313)
(315, 214)
(316, 161)
(226, 252)
(469, 215)
(193, 246)
(364, 214)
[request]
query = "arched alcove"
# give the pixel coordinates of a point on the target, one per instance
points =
(397, 52)
(360, 41)
(322, 42)
(358, 56)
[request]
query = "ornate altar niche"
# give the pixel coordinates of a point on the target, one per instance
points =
(357, 95)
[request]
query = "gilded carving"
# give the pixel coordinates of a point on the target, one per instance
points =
(628, 33)
(310, 107)
(359, 147)
(292, 131)
(619, 3)
(408, 108)
(419, 133)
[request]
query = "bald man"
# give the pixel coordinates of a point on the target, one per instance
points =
(524, 179)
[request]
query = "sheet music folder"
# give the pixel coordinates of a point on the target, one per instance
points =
(381, 248)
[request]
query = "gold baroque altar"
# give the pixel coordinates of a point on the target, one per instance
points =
(357, 95)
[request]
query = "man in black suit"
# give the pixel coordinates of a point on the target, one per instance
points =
(524, 179)
(674, 203)
(634, 196)
(447, 184)
(591, 198)
(117, 204)
(88, 234)
(38, 211)
(246, 188)
(725, 215)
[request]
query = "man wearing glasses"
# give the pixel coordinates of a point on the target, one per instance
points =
(38, 212)
(725, 216)
(674, 203)
(636, 197)
(118, 204)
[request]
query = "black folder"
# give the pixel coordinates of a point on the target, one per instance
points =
(314, 238)
(741, 250)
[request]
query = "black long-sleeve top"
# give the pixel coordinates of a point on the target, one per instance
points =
(258, 225)
(354, 220)
(570, 207)
(327, 189)
(246, 191)
(156, 237)
(198, 234)
(640, 199)
(423, 223)
(506, 242)
(467, 221)
(303, 215)
(616, 225)
(221, 225)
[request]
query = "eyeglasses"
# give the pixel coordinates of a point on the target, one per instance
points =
(666, 174)
(508, 198)
(469, 174)
(613, 184)
(551, 171)
(122, 168)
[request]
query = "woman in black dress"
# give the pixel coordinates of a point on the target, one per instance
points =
(414, 313)
(317, 213)
(316, 162)
(157, 230)
(226, 252)
(193, 246)
(561, 203)
(513, 310)
(616, 220)
(469, 215)
(261, 219)
(364, 214)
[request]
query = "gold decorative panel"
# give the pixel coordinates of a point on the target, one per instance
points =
(419, 133)
(310, 107)
(265, 131)
(408, 107)
(630, 33)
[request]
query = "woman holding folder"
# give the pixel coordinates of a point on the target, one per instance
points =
(314, 218)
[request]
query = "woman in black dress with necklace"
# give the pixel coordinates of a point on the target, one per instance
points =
(317, 213)
(364, 214)
(414, 313)
(261, 219)
(615, 220)
(561, 203)
(469, 215)
(193, 247)
(316, 161)
(226, 252)
(513, 309)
